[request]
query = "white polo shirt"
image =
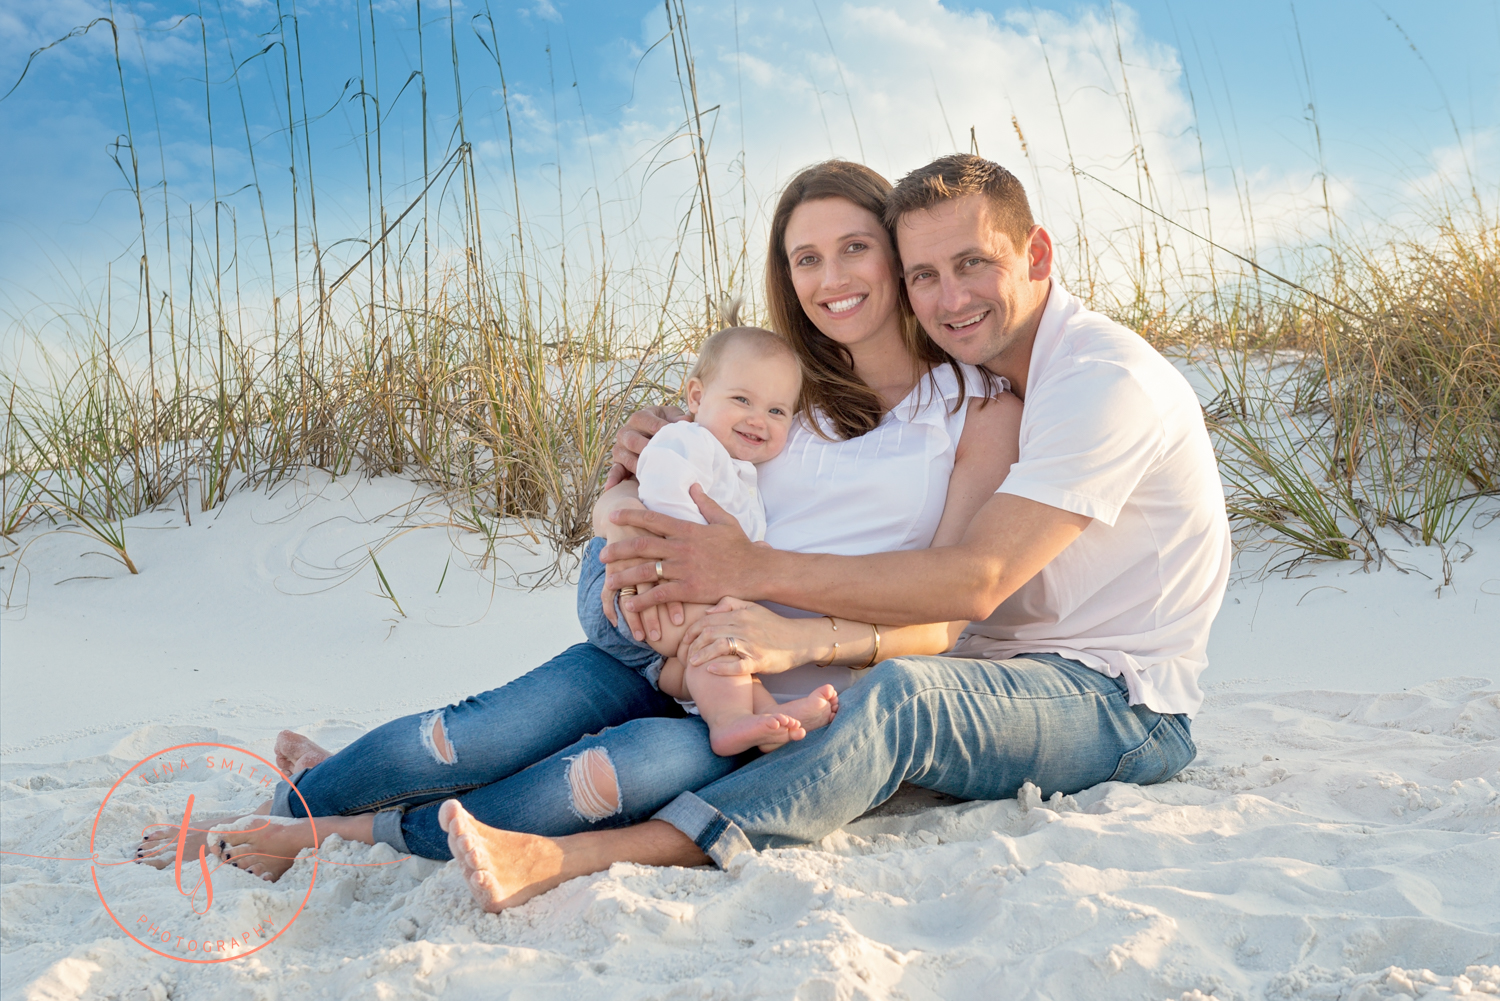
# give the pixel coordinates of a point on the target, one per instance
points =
(1110, 430)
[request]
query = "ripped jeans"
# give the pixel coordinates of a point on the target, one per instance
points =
(532, 756)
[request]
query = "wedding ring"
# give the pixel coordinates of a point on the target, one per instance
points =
(659, 573)
(628, 591)
(734, 646)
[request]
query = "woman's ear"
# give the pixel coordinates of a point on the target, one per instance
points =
(692, 395)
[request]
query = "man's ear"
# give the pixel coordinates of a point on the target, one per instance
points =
(1039, 254)
(692, 395)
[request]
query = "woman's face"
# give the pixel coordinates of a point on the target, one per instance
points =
(843, 269)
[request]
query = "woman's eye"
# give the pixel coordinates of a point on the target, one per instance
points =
(855, 247)
(806, 260)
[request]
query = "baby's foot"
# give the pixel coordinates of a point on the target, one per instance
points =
(814, 711)
(295, 752)
(767, 731)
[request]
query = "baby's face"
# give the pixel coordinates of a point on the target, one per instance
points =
(749, 402)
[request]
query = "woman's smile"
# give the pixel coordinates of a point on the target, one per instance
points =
(846, 306)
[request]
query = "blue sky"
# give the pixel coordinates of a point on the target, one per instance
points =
(1407, 100)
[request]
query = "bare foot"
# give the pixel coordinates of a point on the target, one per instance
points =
(295, 752)
(266, 849)
(813, 711)
(158, 845)
(767, 731)
(502, 868)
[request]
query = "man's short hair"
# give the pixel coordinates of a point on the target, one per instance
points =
(961, 174)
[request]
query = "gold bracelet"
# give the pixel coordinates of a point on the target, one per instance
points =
(875, 653)
(833, 656)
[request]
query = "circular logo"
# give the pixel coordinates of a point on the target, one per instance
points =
(185, 925)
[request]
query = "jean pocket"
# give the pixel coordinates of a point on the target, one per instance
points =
(1167, 750)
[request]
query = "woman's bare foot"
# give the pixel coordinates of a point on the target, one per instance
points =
(766, 731)
(502, 868)
(295, 752)
(814, 711)
(158, 845)
(266, 848)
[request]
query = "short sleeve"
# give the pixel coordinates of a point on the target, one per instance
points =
(676, 457)
(1087, 440)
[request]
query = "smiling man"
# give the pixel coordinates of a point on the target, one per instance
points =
(1091, 577)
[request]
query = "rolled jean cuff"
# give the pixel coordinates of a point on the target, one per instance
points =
(386, 829)
(716, 835)
(281, 799)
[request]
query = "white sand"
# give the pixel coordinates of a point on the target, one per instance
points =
(1338, 837)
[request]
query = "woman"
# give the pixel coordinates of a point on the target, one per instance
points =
(896, 447)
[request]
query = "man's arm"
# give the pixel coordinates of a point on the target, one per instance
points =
(1007, 543)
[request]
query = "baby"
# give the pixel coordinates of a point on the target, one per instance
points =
(740, 399)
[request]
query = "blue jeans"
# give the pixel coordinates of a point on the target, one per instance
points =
(511, 751)
(612, 639)
(970, 728)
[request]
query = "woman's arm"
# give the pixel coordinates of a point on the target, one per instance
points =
(646, 626)
(989, 446)
(767, 643)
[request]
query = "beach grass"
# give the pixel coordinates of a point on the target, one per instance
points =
(1360, 393)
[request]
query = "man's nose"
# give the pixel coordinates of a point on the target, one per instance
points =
(953, 296)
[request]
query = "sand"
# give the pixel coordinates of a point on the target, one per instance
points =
(1337, 838)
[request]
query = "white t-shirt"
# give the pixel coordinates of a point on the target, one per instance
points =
(877, 493)
(684, 453)
(1110, 430)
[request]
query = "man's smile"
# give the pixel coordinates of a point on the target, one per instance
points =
(967, 323)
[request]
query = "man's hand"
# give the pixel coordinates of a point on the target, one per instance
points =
(700, 563)
(632, 437)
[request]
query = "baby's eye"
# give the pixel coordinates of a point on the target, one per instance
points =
(778, 411)
(741, 399)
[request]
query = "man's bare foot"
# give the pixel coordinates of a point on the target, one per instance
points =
(766, 731)
(295, 752)
(813, 711)
(502, 868)
(266, 848)
(158, 845)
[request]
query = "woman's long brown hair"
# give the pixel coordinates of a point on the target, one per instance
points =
(829, 384)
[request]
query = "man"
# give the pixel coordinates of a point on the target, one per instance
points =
(1091, 577)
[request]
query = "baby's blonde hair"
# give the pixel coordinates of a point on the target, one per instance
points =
(759, 339)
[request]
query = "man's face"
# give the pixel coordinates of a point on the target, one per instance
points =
(974, 292)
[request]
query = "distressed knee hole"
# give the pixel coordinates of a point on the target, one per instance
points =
(435, 738)
(593, 785)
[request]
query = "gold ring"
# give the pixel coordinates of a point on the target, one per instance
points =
(659, 573)
(628, 591)
(734, 646)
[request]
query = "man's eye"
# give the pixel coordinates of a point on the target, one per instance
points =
(973, 261)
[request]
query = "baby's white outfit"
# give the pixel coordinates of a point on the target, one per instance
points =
(685, 453)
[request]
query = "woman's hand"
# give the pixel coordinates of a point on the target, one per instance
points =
(763, 642)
